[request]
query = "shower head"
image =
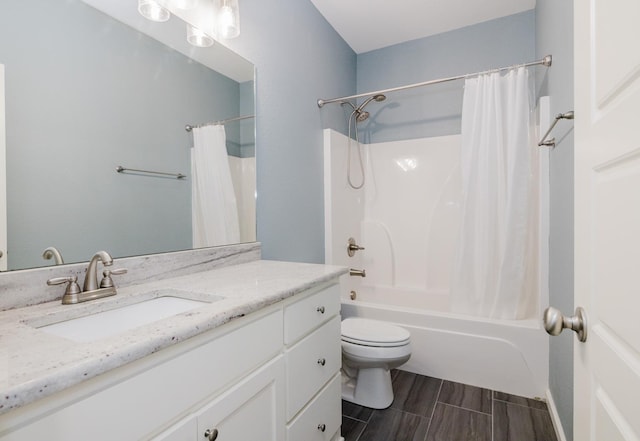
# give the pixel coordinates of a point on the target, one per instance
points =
(377, 98)
(362, 115)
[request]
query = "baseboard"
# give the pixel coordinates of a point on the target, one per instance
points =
(555, 418)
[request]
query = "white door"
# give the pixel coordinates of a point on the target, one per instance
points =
(607, 218)
(3, 178)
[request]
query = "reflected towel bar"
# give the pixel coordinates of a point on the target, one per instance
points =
(121, 169)
(552, 142)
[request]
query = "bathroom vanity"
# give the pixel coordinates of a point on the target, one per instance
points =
(259, 360)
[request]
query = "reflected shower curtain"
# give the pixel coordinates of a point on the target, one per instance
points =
(213, 200)
(494, 271)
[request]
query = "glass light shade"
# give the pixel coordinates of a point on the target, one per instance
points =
(228, 19)
(198, 38)
(153, 11)
(185, 4)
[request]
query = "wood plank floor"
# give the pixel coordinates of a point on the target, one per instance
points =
(430, 409)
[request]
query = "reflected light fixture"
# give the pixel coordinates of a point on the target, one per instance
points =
(407, 164)
(228, 19)
(151, 10)
(185, 4)
(198, 38)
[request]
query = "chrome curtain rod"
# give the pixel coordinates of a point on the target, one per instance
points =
(121, 169)
(222, 122)
(546, 61)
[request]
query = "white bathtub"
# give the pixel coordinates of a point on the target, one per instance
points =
(503, 355)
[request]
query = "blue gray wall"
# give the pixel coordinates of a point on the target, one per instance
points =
(435, 110)
(84, 94)
(299, 58)
(554, 35)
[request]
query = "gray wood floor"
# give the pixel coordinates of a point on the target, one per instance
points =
(430, 409)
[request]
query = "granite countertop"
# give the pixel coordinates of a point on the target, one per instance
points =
(34, 364)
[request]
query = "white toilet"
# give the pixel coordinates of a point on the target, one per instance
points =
(370, 349)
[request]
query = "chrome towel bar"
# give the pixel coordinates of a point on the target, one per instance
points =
(121, 169)
(552, 142)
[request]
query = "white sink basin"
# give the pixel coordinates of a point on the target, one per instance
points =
(115, 321)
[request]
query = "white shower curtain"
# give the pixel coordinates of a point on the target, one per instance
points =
(496, 261)
(214, 206)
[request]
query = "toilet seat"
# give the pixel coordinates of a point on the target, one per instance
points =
(365, 332)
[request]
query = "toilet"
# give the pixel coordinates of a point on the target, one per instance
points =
(370, 349)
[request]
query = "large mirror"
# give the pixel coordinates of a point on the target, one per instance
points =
(90, 86)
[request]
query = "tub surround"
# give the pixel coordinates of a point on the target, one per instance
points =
(37, 364)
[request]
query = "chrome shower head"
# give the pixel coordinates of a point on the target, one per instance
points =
(377, 98)
(361, 114)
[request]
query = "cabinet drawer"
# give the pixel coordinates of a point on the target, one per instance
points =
(325, 411)
(311, 363)
(309, 313)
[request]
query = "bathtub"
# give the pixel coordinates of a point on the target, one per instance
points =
(503, 355)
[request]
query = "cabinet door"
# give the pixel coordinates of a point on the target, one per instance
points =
(253, 410)
(185, 430)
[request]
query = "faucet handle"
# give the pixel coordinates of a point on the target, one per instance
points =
(107, 281)
(72, 291)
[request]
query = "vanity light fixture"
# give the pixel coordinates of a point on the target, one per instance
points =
(228, 22)
(198, 38)
(151, 10)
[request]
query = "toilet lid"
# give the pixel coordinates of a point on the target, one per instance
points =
(373, 332)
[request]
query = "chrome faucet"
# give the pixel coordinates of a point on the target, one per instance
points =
(91, 278)
(52, 252)
(91, 290)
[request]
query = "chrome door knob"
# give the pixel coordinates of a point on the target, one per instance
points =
(211, 435)
(555, 322)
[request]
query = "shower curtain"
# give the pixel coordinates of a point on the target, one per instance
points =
(213, 200)
(496, 260)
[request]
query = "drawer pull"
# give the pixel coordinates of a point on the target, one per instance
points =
(211, 435)
(322, 361)
(322, 427)
(320, 309)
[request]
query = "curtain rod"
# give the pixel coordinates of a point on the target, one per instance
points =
(546, 61)
(222, 122)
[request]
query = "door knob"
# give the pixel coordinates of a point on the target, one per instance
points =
(555, 322)
(211, 435)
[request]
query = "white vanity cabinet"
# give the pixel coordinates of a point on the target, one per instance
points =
(269, 376)
(311, 330)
